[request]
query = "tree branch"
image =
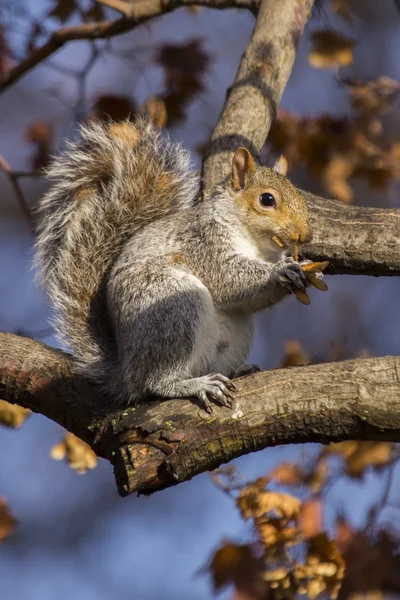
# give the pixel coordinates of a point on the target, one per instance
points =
(356, 240)
(160, 444)
(140, 12)
(253, 99)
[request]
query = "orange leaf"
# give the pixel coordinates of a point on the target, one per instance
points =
(77, 453)
(7, 520)
(287, 473)
(310, 518)
(12, 415)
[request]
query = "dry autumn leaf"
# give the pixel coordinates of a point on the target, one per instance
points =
(235, 564)
(12, 415)
(275, 532)
(294, 356)
(77, 453)
(359, 456)
(156, 110)
(287, 473)
(330, 49)
(310, 518)
(254, 503)
(7, 520)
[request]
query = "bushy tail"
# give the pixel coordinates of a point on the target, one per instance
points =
(115, 179)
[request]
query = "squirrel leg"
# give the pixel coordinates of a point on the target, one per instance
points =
(168, 337)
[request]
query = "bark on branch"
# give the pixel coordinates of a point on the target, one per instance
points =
(253, 99)
(160, 444)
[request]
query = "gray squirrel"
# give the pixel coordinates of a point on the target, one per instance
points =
(154, 290)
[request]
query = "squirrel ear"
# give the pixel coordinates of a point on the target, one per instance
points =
(242, 164)
(281, 166)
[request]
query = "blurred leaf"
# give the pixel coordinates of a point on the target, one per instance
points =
(7, 520)
(275, 532)
(372, 564)
(185, 66)
(373, 97)
(235, 564)
(254, 503)
(76, 452)
(330, 49)
(359, 456)
(40, 134)
(323, 550)
(156, 110)
(294, 355)
(110, 106)
(310, 518)
(12, 415)
(63, 9)
(287, 473)
(335, 175)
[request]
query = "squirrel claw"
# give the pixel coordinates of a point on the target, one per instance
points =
(215, 387)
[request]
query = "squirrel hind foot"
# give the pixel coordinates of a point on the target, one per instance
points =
(214, 387)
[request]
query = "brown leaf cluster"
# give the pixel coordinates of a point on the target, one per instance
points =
(266, 568)
(76, 452)
(336, 149)
(185, 67)
(12, 415)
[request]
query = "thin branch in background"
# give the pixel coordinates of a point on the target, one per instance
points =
(141, 11)
(13, 179)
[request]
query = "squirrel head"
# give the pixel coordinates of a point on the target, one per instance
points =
(274, 211)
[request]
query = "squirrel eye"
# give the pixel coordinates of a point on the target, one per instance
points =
(267, 200)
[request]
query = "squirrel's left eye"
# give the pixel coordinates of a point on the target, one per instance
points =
(267, 200)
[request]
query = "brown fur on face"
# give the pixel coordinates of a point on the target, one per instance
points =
(288, 220)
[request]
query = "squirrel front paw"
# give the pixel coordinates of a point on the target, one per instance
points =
(291, 276)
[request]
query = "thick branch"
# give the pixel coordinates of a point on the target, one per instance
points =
(140, 12)
(355, 240)
(160, 444)
(253, 99)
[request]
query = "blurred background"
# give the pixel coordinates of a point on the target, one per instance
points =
(340, 129)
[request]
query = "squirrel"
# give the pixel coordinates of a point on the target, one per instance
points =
(155, 290)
